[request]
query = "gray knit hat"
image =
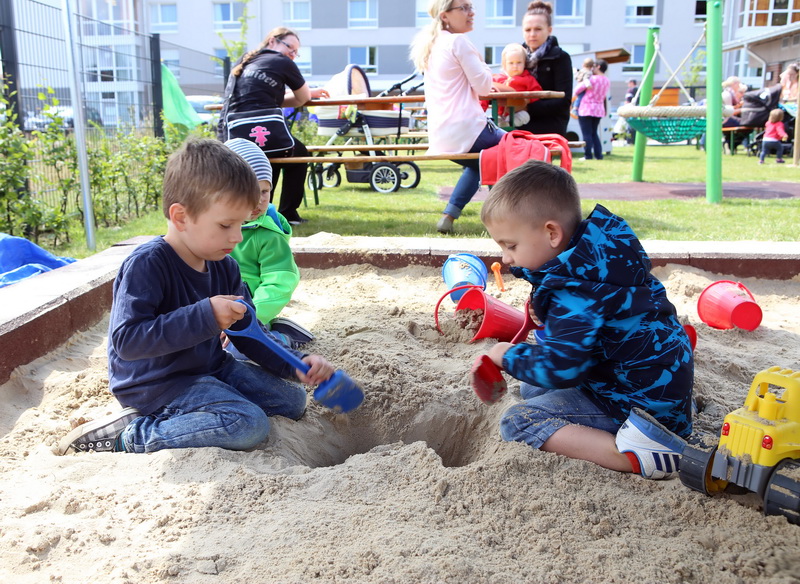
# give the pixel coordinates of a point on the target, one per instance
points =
(253, 155)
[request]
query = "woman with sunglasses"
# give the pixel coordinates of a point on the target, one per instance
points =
(455, 75)
(267, 77)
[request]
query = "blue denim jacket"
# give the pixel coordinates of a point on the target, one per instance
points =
(609, 327)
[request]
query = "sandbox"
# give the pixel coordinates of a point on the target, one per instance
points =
(414, 486)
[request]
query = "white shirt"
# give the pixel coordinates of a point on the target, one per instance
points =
(455, 78)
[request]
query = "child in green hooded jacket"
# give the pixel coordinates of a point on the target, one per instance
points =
(264, 256)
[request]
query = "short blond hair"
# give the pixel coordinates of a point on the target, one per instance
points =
(535, 192)
(204, 171)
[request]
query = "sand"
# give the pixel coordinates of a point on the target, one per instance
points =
(414, 486)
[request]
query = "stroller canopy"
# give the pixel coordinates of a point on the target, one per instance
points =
(350, 82)
(756, 105)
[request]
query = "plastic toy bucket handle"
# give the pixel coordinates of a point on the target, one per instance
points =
(445, 295)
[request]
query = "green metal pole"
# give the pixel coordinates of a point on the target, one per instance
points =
(714, 101)
(645, 95)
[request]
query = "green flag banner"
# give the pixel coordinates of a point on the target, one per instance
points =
(177, 110)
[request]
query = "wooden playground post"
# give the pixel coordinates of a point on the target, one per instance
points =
(714, 101)
(645, 95)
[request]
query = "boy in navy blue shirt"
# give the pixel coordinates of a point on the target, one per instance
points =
(172, 298)
(611, 382)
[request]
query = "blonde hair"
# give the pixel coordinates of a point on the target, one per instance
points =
(277, 33)
(776, 115)
(423, 42)
(535, 192)
(513, 48)
(203, 171)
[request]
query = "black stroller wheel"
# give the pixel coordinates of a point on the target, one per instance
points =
(328, 177)
(409, 175)
(384, 178)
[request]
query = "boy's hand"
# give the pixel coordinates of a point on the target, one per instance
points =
(226, 310)
(320, 370)
(496, 353)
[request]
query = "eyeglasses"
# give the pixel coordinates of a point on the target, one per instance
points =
(292, 52)
(465, 8)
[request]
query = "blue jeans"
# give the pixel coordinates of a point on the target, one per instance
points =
(546, 410)
(228, 410)
(589, 126)
(768, 146)
(470, 180)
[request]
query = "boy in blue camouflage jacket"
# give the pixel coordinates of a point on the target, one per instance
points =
(611, 382)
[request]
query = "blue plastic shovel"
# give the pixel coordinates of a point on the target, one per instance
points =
(339, 392)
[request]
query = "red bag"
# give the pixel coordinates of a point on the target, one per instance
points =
(517, 147)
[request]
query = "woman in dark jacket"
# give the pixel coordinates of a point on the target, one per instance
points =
(552, 68)
(268, 78)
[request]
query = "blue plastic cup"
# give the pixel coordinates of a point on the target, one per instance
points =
(538, 334)
(463, 269)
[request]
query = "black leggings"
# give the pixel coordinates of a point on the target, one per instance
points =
(293, 187)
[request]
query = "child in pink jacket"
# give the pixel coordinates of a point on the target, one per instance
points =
(774, 136)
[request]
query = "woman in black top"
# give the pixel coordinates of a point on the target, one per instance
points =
(552, 68)
(267, 78)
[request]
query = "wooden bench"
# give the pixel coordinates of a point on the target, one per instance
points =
(359, 160)
(730, 135)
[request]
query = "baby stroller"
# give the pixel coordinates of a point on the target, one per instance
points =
(355, 123)
(756, 106)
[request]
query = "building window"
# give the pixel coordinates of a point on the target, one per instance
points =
(364, 57)
(640, 12)
(500, 13)
(163, 18)
(423, 17)
(227, 15)
(493, 54)
(362, 13)
(570, 13)
(297, 14)
(221, 55)
(303, 62)
(768, 12)
(636, 64)
(700, 11)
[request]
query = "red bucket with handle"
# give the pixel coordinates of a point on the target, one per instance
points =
(500, 321)
(725, 305)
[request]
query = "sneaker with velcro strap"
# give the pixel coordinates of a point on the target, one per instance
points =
(654, 451)
(99, 435)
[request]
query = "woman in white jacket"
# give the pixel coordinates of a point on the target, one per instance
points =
(455, 77)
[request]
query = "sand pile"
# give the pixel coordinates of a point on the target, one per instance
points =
(414, 486)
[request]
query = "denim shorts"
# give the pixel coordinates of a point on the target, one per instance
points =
(544, 411)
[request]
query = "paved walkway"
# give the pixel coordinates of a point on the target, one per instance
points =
(642, 191)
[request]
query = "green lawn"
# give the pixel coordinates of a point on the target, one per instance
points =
(354, 209)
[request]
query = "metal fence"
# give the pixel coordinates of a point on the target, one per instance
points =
(119, 71)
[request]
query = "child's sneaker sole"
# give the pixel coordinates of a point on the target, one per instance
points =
(98, 435)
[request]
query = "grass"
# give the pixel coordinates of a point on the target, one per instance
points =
(354, 209)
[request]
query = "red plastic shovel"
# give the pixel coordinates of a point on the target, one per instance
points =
(486, 377)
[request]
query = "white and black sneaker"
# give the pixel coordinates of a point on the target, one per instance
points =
(654, 451)
(98, 435)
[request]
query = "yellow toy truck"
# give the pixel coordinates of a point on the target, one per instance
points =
(758, 449)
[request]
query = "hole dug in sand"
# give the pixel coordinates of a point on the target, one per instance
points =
(461, 432)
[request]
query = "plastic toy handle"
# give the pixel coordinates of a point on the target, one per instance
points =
(253, 330)
(436, 310)
(498, 279)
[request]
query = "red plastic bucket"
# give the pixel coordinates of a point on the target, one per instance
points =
(725, 304)
(500, 321)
